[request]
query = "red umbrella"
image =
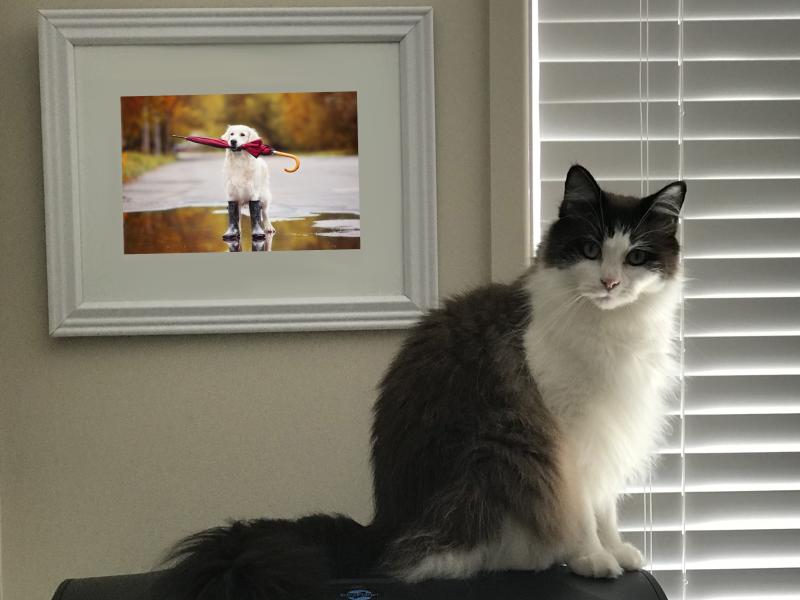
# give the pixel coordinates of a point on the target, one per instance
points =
(256, 148)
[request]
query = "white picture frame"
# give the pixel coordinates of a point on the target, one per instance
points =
(79, 305)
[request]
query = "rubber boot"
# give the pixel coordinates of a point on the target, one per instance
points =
(255, 220)
(234, 246)
(233, 232)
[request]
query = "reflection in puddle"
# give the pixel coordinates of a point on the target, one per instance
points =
(255, 245)
(199, 229)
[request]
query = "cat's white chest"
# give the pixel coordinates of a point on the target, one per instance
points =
(605, 378)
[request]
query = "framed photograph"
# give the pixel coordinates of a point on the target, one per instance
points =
(233, 170)
(181, 194)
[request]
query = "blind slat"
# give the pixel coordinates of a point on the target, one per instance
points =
(736, 119)
(728, 472)
(597, 41)
(613, 159)
(744, 510)
(746, 584)
(666, 478)
(704, 81)
(743, 198)
(713, 511)
(591, 10)
(751, 39)
(666, 511)
(742, 158)
(739, 9)
(714, 550)
(743, 395)
(743, 584)
(742, 433)
(732, 158)
(742, 277)
(608, 120)
(742, 316)
(744, 80)
(705, 40)
(742, 355)
(605, 82)
(740, 238)
(742, 472)
(745, 119)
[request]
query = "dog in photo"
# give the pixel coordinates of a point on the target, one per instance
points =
(246, 183)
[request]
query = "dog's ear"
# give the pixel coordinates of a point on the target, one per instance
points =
(224, 133)
(254, 135)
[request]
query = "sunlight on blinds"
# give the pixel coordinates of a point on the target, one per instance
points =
(643, 92)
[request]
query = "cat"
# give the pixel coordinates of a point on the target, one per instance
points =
(505, 428)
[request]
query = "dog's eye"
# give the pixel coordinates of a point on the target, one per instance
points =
(241, 134)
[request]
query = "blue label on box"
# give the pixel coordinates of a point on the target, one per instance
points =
(359, 594)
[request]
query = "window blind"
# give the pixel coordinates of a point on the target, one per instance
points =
(645, 92)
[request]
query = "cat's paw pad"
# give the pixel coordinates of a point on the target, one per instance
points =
(596, 564)
(628, 557)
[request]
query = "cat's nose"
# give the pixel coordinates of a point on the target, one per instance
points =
(609, 284)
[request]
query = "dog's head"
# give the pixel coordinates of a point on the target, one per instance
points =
(238, 135)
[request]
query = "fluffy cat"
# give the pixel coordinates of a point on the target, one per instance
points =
(506, 426)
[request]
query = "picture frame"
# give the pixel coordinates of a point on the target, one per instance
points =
(95, 289)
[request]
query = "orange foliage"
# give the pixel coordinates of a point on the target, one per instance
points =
(299, 122)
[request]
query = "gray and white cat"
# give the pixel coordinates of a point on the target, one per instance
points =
(506, 426)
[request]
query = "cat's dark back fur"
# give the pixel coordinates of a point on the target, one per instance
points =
(460, 437)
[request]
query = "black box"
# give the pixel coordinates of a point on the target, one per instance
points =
(553, 584)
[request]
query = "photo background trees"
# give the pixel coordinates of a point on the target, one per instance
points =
(293, 122)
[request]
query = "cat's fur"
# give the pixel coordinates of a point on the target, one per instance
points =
(506, 426)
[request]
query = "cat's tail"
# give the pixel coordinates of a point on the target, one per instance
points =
(269, 559)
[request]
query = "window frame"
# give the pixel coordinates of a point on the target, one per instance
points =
(512, 149)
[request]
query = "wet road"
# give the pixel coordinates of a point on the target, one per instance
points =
(181, 207)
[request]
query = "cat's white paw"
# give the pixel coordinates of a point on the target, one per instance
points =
(628, 557)
(596, 564)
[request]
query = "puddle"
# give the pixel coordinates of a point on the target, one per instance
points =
(200, 229)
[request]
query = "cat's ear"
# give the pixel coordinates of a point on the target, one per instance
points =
(667, 201)
(580, 190)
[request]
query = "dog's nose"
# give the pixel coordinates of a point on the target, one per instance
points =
(234, 143)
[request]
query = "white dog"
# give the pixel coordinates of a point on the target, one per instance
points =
(246, 182)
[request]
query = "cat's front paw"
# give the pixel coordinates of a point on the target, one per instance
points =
(628, 557)
(596, 564)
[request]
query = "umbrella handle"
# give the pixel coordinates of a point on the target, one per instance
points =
(293, 157)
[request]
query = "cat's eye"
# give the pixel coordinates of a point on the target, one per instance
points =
(636, 257)
(591, 250)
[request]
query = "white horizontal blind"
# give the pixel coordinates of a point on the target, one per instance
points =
(723, 519)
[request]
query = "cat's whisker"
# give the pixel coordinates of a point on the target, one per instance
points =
(559, 314)
(669, 229)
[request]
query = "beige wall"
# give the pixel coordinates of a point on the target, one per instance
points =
(114, 447)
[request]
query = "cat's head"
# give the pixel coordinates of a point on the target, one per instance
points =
(614, 248)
